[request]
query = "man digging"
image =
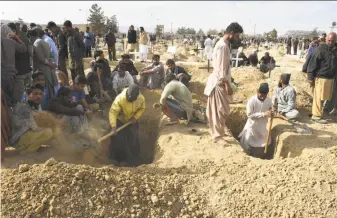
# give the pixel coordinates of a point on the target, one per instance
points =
(253, 135)
(128, 106)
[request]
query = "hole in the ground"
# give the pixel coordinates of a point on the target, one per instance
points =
(149, 128)
(236, 122)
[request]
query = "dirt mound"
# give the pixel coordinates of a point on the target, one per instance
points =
(194, 58)
(303, 187)
(82, 191)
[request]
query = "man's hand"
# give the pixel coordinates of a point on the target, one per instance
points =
(229, 88)
(88, 112)
(268, 113)
(133, 120)
(113, 130)
(282, 113)
(180, 75)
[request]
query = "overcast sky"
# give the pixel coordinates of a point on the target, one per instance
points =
(281, 15)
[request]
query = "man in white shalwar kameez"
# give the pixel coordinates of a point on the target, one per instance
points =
(254, 134)
(143, 49)
(218, 87)
(208, 48)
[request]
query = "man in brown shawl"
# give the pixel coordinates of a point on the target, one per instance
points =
(218, 87)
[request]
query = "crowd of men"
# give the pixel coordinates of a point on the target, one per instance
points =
(35, 84)
(35, 61)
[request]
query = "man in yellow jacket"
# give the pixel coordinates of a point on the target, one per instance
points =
(129, 105)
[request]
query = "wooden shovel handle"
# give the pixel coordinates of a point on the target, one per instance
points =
(103, 138)
(269, 133)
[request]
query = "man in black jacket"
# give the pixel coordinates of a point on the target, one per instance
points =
(61, 43)
(288, 42)
(110, 40)
(76, 49)
(296, 42)
(322, 69)
(132, 39)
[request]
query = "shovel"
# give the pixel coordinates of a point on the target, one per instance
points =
(300, 127)
(103, 138)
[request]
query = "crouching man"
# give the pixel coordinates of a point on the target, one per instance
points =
(178, 71)
(152, 76)
(72, 113)
(284, 99)
(254, 134)
(128, 106)
(26, 135)
(176, 100)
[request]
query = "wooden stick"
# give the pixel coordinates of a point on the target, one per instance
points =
(103, 138)
(269, 133)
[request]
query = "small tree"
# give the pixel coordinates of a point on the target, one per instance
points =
(112, 23)
(181, 31)
(212, 32)
(97, 19)
(190, 31)
(200, 33)
(273, 34)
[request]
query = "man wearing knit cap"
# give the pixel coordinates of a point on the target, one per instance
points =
(253, 136)
(284, 99)
(128, 106)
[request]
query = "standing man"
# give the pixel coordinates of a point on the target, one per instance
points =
(76, 49)
(110, 40)
(218, 87)
(88, 41)
(128, 106)
(43, 62)
(61, 43)
(143, 40)
(202, 46)
(288, 42)
(296, 42)
(323, 38)
(11, 44)
(322, 69)
(22, 63)
(132, 39)
(24, 29)
(253, 135)
(52, 45)
(208, 47)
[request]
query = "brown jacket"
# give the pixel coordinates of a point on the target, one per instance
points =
(143, 40)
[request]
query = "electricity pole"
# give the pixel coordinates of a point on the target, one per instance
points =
(254, 28)
(171, 34)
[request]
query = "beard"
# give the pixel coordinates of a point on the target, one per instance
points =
(279, 84)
